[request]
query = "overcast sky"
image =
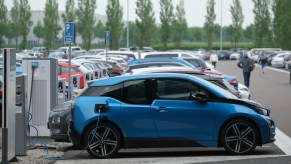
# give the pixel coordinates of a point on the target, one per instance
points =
(195, 10)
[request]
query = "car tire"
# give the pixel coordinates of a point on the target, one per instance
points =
(106, 141)
(239, 137)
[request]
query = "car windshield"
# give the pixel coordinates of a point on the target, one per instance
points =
(222, 91)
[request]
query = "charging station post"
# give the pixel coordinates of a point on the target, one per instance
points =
(8, 105)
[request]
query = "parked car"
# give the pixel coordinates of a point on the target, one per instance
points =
(288, 65)
(63, 72)
(110, 63)
(95, 51)
(278, 60)
(166, 110)
(66, 49)
(129, 54)
(133, 67)
(223, 55)
(167, 55)
(161, 59)
(244, 91)
(38, 49)
(219, 80)
(235, 56)
(286, 59)
(58, 122)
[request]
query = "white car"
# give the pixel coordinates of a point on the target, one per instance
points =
(278, 60)
(234, 56)
(244, 91)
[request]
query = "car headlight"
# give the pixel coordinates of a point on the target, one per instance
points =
(262, 111)
(56, 120)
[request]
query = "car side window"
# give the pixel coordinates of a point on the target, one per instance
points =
(135, 92)
(175, 89)
(186, 55)
(113, 91)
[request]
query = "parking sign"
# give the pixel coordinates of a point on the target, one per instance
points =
(107, 38)
(69, 36)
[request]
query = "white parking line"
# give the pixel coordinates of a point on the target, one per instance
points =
(274, 69)
(283, 142)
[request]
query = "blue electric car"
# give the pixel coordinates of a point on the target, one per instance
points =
(166, 110)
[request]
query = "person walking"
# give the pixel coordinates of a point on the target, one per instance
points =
(263, 60)
(247, 65)
(213, 59)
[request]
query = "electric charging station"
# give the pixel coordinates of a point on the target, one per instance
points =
(87, 77)
(21, 116)
(8, 105)
(75, 79)
(42, 91)
(96, 74)
(61, 91)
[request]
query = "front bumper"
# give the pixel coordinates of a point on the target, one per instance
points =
(59, 129)
(74, 137)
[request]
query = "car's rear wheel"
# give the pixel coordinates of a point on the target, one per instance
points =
(239, 137)
(102, 141)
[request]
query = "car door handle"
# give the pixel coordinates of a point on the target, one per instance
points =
(161, 109)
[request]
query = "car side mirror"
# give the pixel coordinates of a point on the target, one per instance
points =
(201, 96)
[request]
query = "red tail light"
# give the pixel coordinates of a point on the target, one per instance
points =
(117, 69)
(233, 81)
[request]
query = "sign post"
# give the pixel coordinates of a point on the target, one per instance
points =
(107, 42)
(69, 38)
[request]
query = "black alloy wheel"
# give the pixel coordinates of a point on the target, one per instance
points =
(102, 141)
(239, 137)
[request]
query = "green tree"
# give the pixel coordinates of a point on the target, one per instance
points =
(166, 17)
(114, 23)
(282, 26)
(195, 34)
(249, 33)
(51, 27)
(179, 24)
(209, 23)
(86, 21)
(99, 30)
(3, 20)
(15, 17)
(38, 30)
(262, 22)
(237, 20)
(9, 31)
(70, 13)
(24, 21)
(145, 21)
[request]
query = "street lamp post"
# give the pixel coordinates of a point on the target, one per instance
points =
(221, 26)
(127, 37)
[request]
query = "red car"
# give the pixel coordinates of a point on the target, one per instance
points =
(63, 72)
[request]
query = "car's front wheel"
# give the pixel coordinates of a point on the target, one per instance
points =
(239, 137)
(102, 141)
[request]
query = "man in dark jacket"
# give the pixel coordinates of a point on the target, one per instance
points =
(244, 63)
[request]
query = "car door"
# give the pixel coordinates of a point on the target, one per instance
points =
(136, 110)
(176, 116)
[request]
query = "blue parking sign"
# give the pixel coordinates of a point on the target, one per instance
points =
(69, 36)
(107, 38)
